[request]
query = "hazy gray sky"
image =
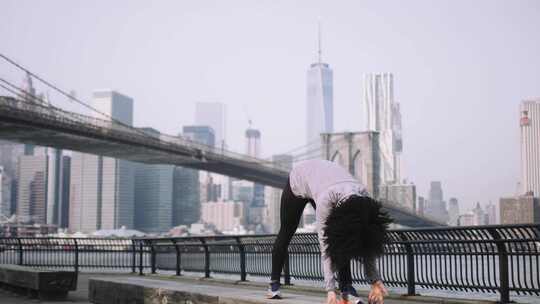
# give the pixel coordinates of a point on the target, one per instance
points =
(461, 69)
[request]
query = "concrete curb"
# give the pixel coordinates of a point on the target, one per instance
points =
(315, 290)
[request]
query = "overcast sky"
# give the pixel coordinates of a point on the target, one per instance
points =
(461, 69)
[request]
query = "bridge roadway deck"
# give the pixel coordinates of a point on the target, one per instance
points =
(252, 293)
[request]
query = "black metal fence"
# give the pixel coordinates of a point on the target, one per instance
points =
(491, 259)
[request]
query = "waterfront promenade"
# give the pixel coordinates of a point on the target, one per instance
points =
(231, 291)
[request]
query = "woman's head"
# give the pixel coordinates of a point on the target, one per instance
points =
(356, 228)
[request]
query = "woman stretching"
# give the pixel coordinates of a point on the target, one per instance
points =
(350, 225)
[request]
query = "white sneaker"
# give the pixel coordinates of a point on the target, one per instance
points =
(355, 300)
(276, 295)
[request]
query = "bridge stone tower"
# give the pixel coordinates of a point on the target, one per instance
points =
(358, 152)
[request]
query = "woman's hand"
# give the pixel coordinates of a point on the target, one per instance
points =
(331, 298)
(377, 293)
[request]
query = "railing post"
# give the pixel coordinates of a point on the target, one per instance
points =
(178, 258)
(206, 258)
(287, 270)
(242, 251)
(152, 257)
(76, 256)
(141, 261)
(502, 253)
(411, 279)
(133, 256)
(21, 260)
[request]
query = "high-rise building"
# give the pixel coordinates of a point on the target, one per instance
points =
(186, 196)
(54, 185)
(32, 189)
(5, 194)
(436, 206)
(14, 195)
(85, 192)
(9, 154)
(320, 98)
(491, 213)
(214, 115)
(453, 211)
(153, 197)
(153, 194)
(102, 188)
(479, 215)
(192, 187)
(524, 209)
(63, 218)
(224, 216)
(530, 146)
(421, 205)
(242, 191)
(383, 115)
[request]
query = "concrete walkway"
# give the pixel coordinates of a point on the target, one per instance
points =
(231, 292)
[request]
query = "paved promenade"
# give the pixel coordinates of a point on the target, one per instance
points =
(245, 293)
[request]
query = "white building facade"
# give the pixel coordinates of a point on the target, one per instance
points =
(530, 146)
(383, 114)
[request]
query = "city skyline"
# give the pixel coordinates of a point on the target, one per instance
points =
(444, 106)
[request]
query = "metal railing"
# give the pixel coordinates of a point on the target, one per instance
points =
(487, 259)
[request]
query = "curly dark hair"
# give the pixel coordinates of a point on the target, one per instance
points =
(356, 229)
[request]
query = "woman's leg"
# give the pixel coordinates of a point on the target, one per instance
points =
(291, 211)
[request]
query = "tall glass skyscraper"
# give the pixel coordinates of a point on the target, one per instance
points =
(32, 189)
(153, 194)
(320, 99)
(5, 194)
(436, 206)
(187, 194)
(55, 184)
(102, 188)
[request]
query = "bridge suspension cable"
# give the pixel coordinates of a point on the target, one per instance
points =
(70, 96)
(168, 138)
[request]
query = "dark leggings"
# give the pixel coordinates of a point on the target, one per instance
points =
(291, 211)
